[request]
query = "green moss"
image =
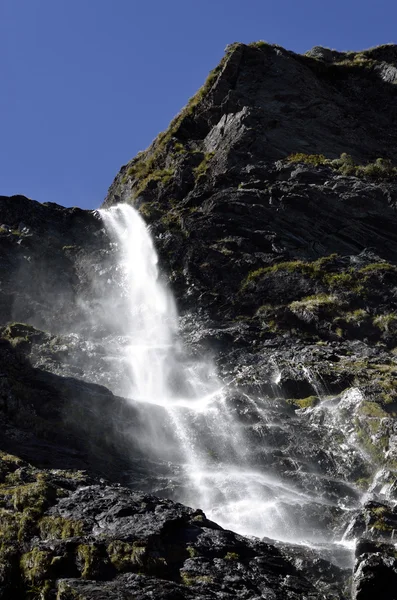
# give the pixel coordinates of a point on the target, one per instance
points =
(365, 441)
(10, 461)
(385, 322)
(232, 556)
(308, 402)
(15, 232)
(372, 409)
(137, 557)
(260, 44)
(179, 148)
(188, 579)
(22, 507)
(90, 559)
(316, 302)
(370, 441)
(172, 220)
(78, 476)
(381, 168)
(345, 161)
(289, 267)
(199, 518)
(349, 65)
(19, 342)
(192, 552)
(388, 384)
(20, 334)
(162, 176)
(126, 556)
(377, 267)
(66, 592)
(345, 280)
(363, 482)
(380, 525)
(324, 263)
(18, 521)
(356, 316)
(381, 375)
(317, 269)
(310, 159)
(264, 310)
(380, 522)
(37, 495)
(349, 279)
(273, 326)
(60, 528)
(151, 210)
(201, 170)
(40, 592)
(35, 566)
(379, 510)
(152, 160)
(9, 526)
(338, 306)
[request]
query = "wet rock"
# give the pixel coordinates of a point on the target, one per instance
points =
(100, 540)
(327, 567)
(375, 521)
(375, 571)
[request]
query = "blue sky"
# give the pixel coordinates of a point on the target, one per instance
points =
(86, 84)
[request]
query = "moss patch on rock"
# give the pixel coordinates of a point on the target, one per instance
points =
(308, 402)
(150, 166)
(59, 528)
(201, 170)
(126, 556)
(381, 168)
(344, 301)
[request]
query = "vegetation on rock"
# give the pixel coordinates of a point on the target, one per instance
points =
(381, 168)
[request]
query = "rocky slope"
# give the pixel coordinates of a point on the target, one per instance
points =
(97, 540)
(283, 257)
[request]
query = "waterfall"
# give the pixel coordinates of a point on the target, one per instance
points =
(158, 370)
(150, 317)
(224, 450)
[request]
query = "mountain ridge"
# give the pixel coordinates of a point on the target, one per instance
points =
(238, 82)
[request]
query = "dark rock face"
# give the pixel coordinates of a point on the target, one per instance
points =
(67, 534)
(48, 255)
(223, 206)
(375, 572)
(285, 270)
(263, 103)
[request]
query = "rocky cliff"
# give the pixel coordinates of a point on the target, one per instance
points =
(272, 202)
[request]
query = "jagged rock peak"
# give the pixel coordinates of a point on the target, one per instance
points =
(263, 103)
(385, 53)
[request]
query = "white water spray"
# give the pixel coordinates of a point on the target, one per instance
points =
(150, 319)
(219, 452)
(157, 371)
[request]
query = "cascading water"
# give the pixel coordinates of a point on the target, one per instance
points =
(150, 318)
(153, 357)
(225, 450)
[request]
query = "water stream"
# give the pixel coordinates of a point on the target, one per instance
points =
(233, 454)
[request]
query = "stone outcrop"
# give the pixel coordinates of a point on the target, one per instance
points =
(71, 535)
